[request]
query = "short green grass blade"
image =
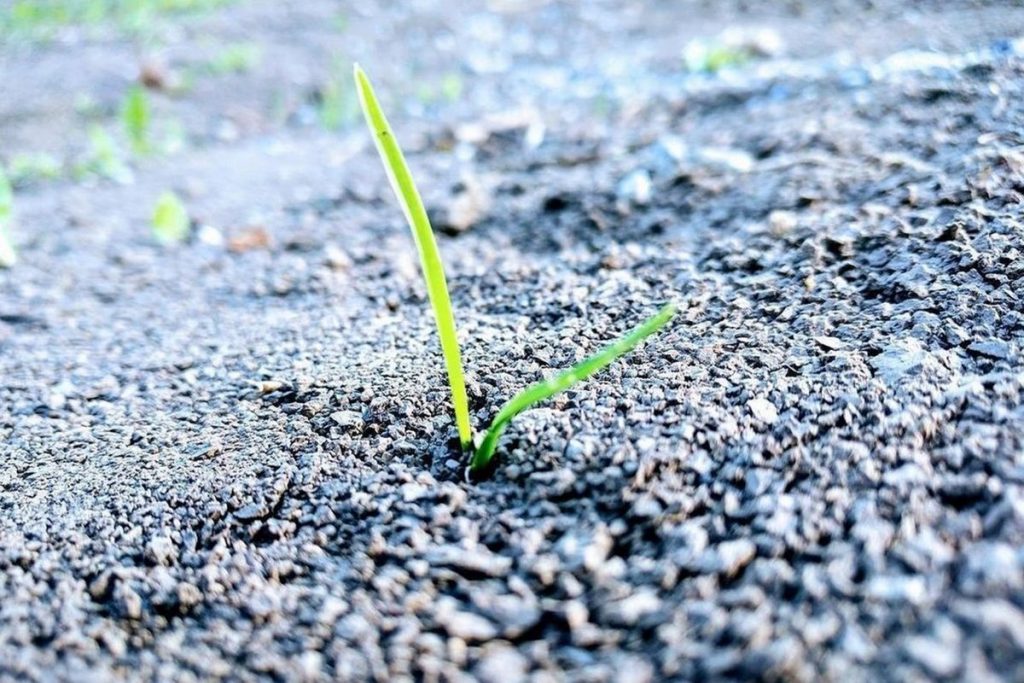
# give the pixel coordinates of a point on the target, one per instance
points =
(135, 117)
(170, 219)
(430, 258)
(548, 388)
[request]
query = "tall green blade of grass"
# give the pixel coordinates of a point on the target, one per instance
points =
(430, 259)
(543, 390)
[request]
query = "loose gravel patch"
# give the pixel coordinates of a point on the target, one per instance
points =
(240, 463)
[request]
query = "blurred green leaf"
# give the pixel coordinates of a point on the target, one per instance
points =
(236, 58)
(8, 257)
(33, 167)
(170, 219)
(104, 158)
(135, 116)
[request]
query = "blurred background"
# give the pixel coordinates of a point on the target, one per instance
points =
(89, 89)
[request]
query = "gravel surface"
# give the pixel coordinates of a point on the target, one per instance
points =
(234, 458)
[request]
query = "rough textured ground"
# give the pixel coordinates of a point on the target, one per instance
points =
(238, 462)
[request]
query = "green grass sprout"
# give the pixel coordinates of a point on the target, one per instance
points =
(8, 257)
(104, 158)
(412, 206)
(430, 258)
(170, 219)
(541, 391)
(135, 116)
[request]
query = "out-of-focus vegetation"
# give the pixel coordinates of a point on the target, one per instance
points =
(236, 58)
(34, 167)
(730, 49)
(104, 158)
(7, 253)
(170, 219)
(40, 18)
(135, 118)
(448, 89)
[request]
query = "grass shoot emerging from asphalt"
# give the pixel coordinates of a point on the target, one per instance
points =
(430, 258)
(579, 372)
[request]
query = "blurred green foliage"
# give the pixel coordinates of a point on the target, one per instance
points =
(235, 58)
(104, 158)
(7, 253)
(170, 219)
(34, 167)
(448, 89)
(712, 57)
(135, 117)
(39, 18)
